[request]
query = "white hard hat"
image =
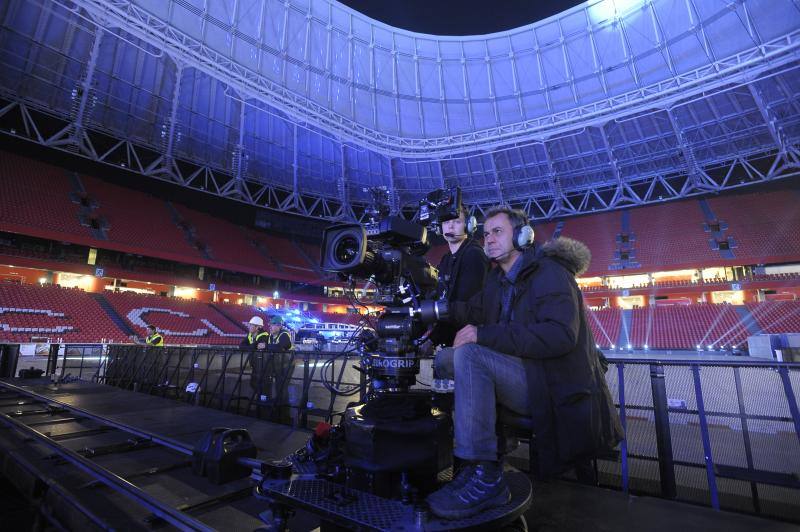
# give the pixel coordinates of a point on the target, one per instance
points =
(256, 320)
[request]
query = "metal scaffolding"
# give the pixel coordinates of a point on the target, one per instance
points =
(302, 108)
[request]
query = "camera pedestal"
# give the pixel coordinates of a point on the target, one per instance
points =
(398, 450)
(396, 445)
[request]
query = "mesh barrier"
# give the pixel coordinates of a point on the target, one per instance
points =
(721, 434)
(294, 387)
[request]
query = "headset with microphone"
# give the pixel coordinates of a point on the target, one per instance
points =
(470, 225)
(521, 239)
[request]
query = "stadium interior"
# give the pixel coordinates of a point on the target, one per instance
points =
(175, 162)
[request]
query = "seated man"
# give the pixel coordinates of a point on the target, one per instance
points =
(462, 271)
(526, 345)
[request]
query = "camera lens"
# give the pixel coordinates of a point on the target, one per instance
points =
(346, 250)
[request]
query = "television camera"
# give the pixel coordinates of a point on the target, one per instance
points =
(392, 449)
(396, 431)
(389, 253)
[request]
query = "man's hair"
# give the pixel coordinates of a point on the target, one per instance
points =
(517, 217)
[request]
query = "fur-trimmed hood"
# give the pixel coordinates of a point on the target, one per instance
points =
(574, 255)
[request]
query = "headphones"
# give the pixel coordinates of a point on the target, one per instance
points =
(523, 237)
(471, 225)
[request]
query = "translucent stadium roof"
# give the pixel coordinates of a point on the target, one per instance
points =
(305, 105)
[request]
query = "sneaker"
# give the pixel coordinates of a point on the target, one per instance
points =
(478, 487)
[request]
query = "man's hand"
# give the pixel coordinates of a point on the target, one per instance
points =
(467, 335)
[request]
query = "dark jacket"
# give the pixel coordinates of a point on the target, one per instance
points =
(251, 341)
(279, 342)
(461, 276)
(572, 410)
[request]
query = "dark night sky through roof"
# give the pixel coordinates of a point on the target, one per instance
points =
(459, 17)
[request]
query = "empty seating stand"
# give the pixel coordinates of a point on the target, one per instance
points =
(35, 200)
(598, 232)
(225, 242)
(763, 225)
(180, 321)
(138, 220)
(687, 326)
(52, 313)
(671, 235)
(605, 324)
(775, 317)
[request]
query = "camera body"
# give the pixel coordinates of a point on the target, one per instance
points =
(389, 252)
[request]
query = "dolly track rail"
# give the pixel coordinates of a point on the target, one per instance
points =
(179, 519)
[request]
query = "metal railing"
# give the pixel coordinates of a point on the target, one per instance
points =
(725, 434)
(284, 387)
(720, 433)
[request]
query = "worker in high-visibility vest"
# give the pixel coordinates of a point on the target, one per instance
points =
(256, 337)
(279, 338)
(256, 342)
(279, 369)
(153, 339)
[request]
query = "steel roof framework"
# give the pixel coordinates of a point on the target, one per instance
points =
(572, 114)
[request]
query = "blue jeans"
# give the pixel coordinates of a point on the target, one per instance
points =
(483, 378)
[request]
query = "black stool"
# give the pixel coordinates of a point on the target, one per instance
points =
(511, 425)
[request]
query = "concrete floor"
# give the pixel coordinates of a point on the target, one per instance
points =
(568, 507)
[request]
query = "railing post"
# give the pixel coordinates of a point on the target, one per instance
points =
(623, 421)
(790, 398)
(9, 355)
(306, 387)
(748, 448)
(83, 358)
(666, 466)
(709, 460)
(52, 359)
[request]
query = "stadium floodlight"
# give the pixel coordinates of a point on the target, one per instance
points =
(699, 347)
(611, 9)
(613, 346)
(597, 346)
(629, 346)
(276, 294)
(646, 347)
